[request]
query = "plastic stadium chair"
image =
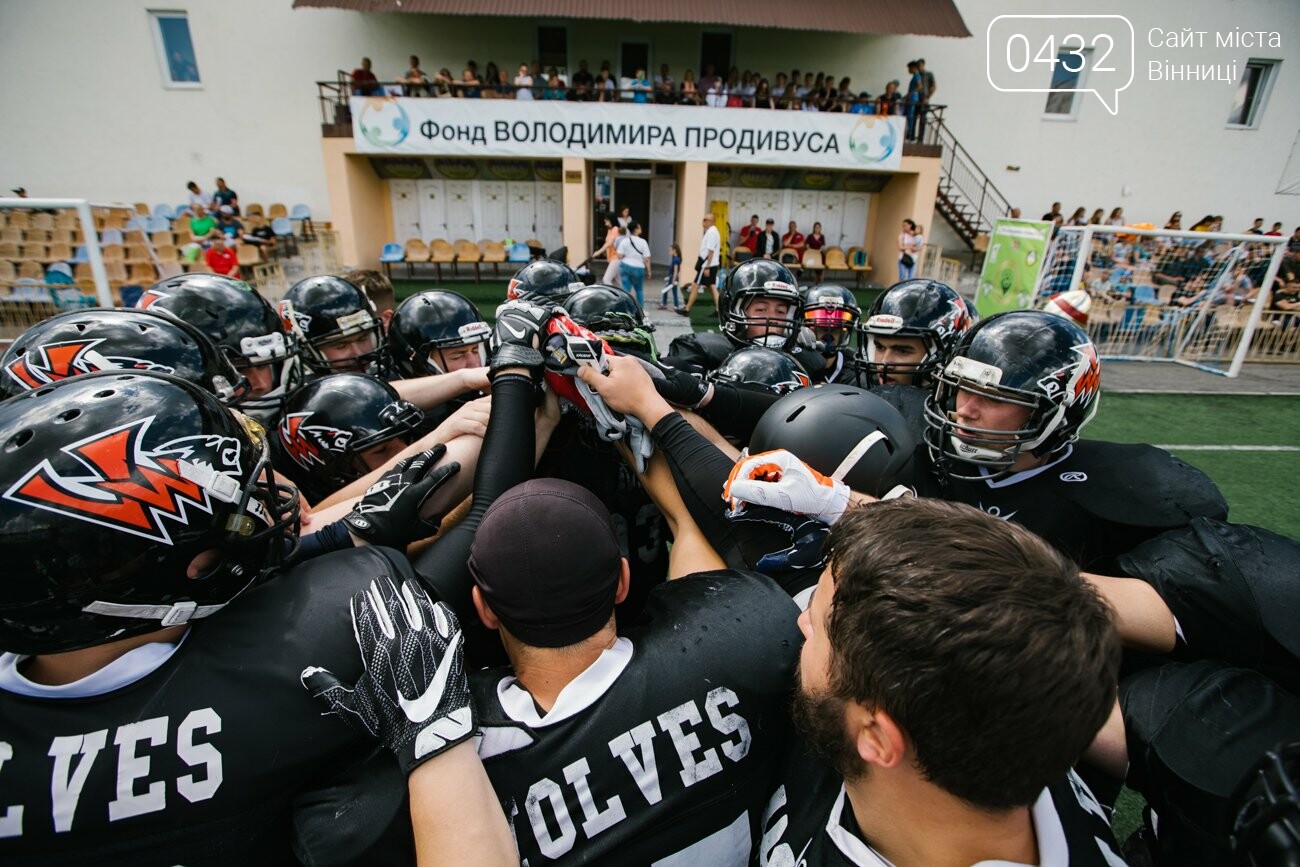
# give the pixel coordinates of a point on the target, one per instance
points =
(283, 230)
(302, 214)
(468, 252)
(110, 236)
(519, 254)
(391, 254)
(277, 210)
(254, 210)
(833, 258)
(494, 253)
(812, 261)
(441, 253)
(29, 289)
(167, 212)
(142, 208)
(415, 252)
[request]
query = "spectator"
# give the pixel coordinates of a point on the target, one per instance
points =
(364, 82)
(523, 83)
(1276, 231)
(913, 99)
(864, 105)
(1077, 218)
(490, 78)
(641, 87)
(468, 87)
(1096, 218)
(582, 82)
(225, 197)
(554, 88)
(887, 102)
(707, 79)
(610, 251)
(197, 198)
(749, 234)
(1204, 224)
(715, 94)
(1175, 221)
(443, 83)
(539, 80)
(928, 88)
(816, 240)
(1013, 213)
(734, 98)
(804, 91)
(748, 87)
(763, 95)
(624, 217)
(1116, 217)
(202, 226)
(1053, 213)
(706, 266)
(690, 93)
(606, 88)
(793, 238)
(665, 87)
(789, 98)
(230, 228)
(220, 258)
(1256, 228)
(634, 261)
(673, 277)
(778, 87)
(768, 243)
(414, 82)
(504, 89)
(907, 251)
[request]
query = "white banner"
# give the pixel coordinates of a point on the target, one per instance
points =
(672, 133)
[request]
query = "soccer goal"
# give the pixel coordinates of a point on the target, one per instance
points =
(1194, 298)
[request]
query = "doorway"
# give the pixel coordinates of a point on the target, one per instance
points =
(715, 51)
(633, 56)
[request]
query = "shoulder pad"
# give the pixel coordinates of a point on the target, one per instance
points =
(1136, 485)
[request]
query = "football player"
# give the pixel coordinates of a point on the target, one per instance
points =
(436, 332)
(831, 313)
(338, 324)
(910, 329)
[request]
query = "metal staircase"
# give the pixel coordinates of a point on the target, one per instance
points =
(966, 197)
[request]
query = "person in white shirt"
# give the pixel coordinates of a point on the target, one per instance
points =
(634, 261)
(706, 266)
(524, 83)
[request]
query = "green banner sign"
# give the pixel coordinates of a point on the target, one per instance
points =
(1012, 265)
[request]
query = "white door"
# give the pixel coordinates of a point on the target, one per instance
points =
(853, 229)
(406, 210)
(745, 203)
(520, 210)
(663, 217)
(493, 210)
(830, 213)
(803, 210)
(459, 196)
(548, 215)
(433, 209)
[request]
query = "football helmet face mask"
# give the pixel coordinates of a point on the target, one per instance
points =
(329, 422)
(760, 369)
(244, 326)
(130, 502)
(429, 323)
(760, 305)
(1266, 806)
(1028, 359)
(920, 309)
(614, 315)
(544, 281)
(336, 322)
(86, 341)
(832, 313)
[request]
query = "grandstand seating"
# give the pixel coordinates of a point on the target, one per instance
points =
(467, 252)
(441, 253)
(833, 259)
(416, 251)
(812, 261)
(390, 255)
(493, 253)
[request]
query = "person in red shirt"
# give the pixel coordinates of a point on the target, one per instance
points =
(816, 240)
(221, 259)
(793, 238)
(749, 234)
(364, 82)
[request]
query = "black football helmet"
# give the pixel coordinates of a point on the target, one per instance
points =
(760, 369)
(429, 322)
(243, 325)
(327, 311)
(613, 314)
(843, 432)
(112, 486)
(544, 281)
(328, 422)
(1027, 358)
(924, 309)
(832, 312)
(1266, 807)
(748, 282)
(114, 338)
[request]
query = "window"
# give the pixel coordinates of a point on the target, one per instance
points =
(1067, 76)
(171, 36)
(1252, 93)
(553, 48)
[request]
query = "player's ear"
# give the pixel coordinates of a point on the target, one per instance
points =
(878, 738)
(624, 581)
(485, 612)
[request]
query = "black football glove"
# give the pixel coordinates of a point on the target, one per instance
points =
(680, 388)
(413, 695)
(517, 336)
(388, 513)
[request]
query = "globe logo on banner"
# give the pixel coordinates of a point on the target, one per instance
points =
(384, 123)
(873, 140)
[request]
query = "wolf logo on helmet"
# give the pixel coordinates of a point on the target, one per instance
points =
(304, 442)
(45, 364)
(126, 487)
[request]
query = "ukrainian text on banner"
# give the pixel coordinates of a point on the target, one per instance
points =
(1011, 266)
(543, 128)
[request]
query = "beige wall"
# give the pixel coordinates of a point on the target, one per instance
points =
(577, 208)
(692, 204)
(359, 203)
(908, 195)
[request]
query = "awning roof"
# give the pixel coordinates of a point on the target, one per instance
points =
(913, 17)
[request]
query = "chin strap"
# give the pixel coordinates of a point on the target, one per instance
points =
(167, 615)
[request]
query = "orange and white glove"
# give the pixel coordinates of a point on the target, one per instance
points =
(779, 480)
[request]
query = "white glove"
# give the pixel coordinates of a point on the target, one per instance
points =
(780, 480)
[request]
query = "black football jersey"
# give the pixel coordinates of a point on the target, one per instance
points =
(1099, 501)
(808, 821)
(199, 761)
(662, 751)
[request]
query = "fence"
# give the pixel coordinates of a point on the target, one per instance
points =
(1194, 298)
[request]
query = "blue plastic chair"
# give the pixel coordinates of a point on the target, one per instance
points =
(302, 214)
(157, 223)
(27, 289)
(181, 211)
(519, 253)
(167, 212)
(390, 255)
(80, 257)
(136, 223)
(110, 236)
(283, 230)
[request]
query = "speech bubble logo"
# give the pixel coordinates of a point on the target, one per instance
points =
(1084, 53)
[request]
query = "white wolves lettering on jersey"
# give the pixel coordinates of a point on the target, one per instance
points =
(140, 789)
